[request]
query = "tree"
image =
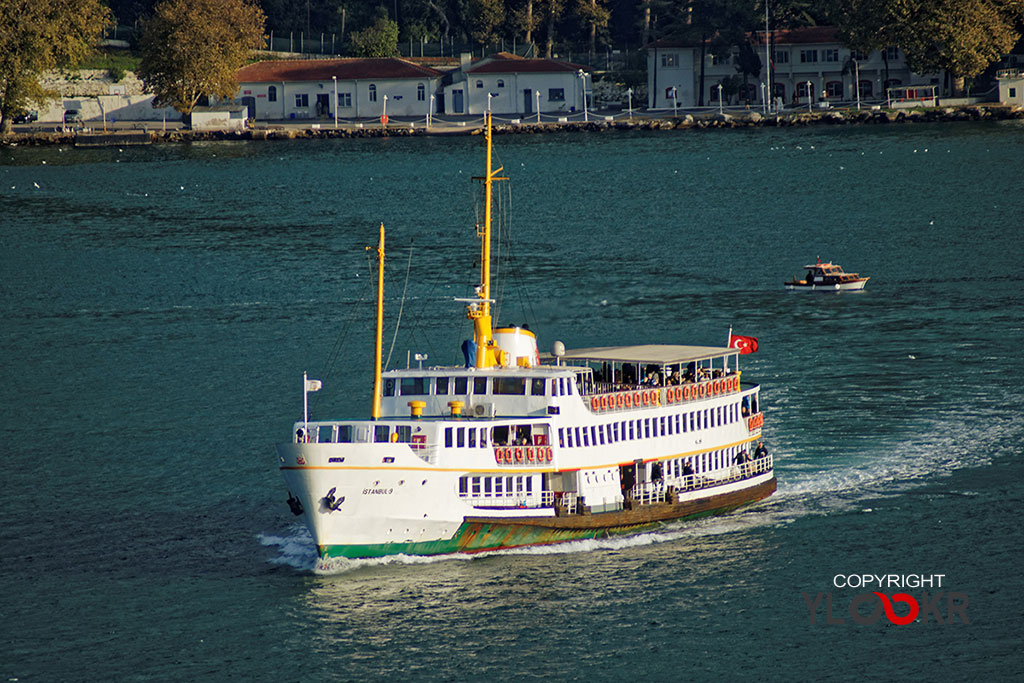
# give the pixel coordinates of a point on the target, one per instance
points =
(379, 40)
(485, 17)
(38, 35)
(595, 15)
(193, 48)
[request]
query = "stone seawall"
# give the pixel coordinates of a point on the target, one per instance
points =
(992, 112)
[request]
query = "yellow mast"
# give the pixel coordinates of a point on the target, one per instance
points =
(487, 355)
(379, 341)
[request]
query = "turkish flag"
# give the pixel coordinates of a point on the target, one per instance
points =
(744, 344)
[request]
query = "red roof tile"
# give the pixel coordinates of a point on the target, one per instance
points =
(503, 63)
(323, 69)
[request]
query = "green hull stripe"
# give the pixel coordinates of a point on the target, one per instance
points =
(475, 538)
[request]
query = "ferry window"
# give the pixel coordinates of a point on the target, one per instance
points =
(499, 436)
(381, 433)
(593, 435)
(753, 403)
(508, 486)
(721, 419)
(615, 432)
(448, 437)
(442, 386)
(463, 486)
(579, 441)
(671, 420)
(661, 421)
(476, 486)
(460, 437)
(479, 385)
(461, 386)
(632, 432)
(472, 438)
(389, 387)
(413, 386)
(529, 484)
(586, 436)
(487, 486)
(539, 387)
(497, 485)
(502, 385)
(483, 437)
(519, 484)
(404, 433)
(561, 437)
(647, 428)
(600, 431)
(693, 422)
(345, 434)
(325, 434)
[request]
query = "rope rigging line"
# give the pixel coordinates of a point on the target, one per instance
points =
(401, 307)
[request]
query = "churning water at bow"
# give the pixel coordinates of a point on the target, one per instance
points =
(160, 305)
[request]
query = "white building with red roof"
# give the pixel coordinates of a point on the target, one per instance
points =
(805, 62)
(514, 85)
(312, 89)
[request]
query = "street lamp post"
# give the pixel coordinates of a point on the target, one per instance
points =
(809, 98)
(430, 110)
(583, 79)
(489, 96)
(856, 80)
(335, 79)
(538, 106)
(629, 95)
(720, 107)
(764, 103)
(675, 101)
(384, 114)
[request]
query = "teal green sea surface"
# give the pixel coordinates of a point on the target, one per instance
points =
(160, 304)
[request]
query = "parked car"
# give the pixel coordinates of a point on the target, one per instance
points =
(72, 116)
(27, 117)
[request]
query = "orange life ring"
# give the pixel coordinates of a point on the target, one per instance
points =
(678, 391)
(620, 401)
(519, 455)
(636, 398)
(655, 397)
(508, 455)
(548, 454)
(497, 456)
(686, 392)
(702, 390)
(669, 396)
(628, 400)
(646, 398)
(529, 454)
(595, 404)
(716, 387)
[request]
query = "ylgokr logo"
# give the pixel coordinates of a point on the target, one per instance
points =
(910, 609)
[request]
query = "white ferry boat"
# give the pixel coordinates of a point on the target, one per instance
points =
(829, 277)
(519, 449)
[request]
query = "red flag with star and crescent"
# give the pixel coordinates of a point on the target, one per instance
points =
(744, 344)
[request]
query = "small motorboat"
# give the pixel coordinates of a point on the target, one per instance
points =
(827, 277)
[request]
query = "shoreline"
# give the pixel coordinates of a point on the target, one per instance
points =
(746, 119)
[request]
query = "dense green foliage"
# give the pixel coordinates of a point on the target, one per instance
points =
(38, 35)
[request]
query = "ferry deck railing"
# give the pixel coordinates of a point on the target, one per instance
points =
(652, 492)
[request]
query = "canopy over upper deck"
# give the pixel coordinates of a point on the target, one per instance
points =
(660, 354)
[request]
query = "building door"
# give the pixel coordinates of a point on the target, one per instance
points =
(323, 106)
(457, 103)
(440, 103)
(527, 101)
(250, 102)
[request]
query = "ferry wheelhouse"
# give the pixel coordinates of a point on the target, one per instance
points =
(827, 277)
(519, 449)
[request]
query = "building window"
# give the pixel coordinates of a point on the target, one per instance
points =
(808, 56)
(858, 55)
(1013, 92)
(830, 55)
(803, 91)
(718, 60)
(670, 93)
(373, 92)
(272, 94)
(479, 84)
(344, 99)
(556, 95)
(834, 89)
(302, 100)
(779, 90)
(501, 83)
(865, 88)
(421, 92)
(892, 53)
(781, 57)
(670, 60)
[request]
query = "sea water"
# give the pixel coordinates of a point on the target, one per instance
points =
(160, 305)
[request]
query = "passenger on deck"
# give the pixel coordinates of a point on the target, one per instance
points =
(761, 451)
(745, 407)
(675, 378)
(656, 471)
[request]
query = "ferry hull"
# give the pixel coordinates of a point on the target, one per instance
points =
(479, 534)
